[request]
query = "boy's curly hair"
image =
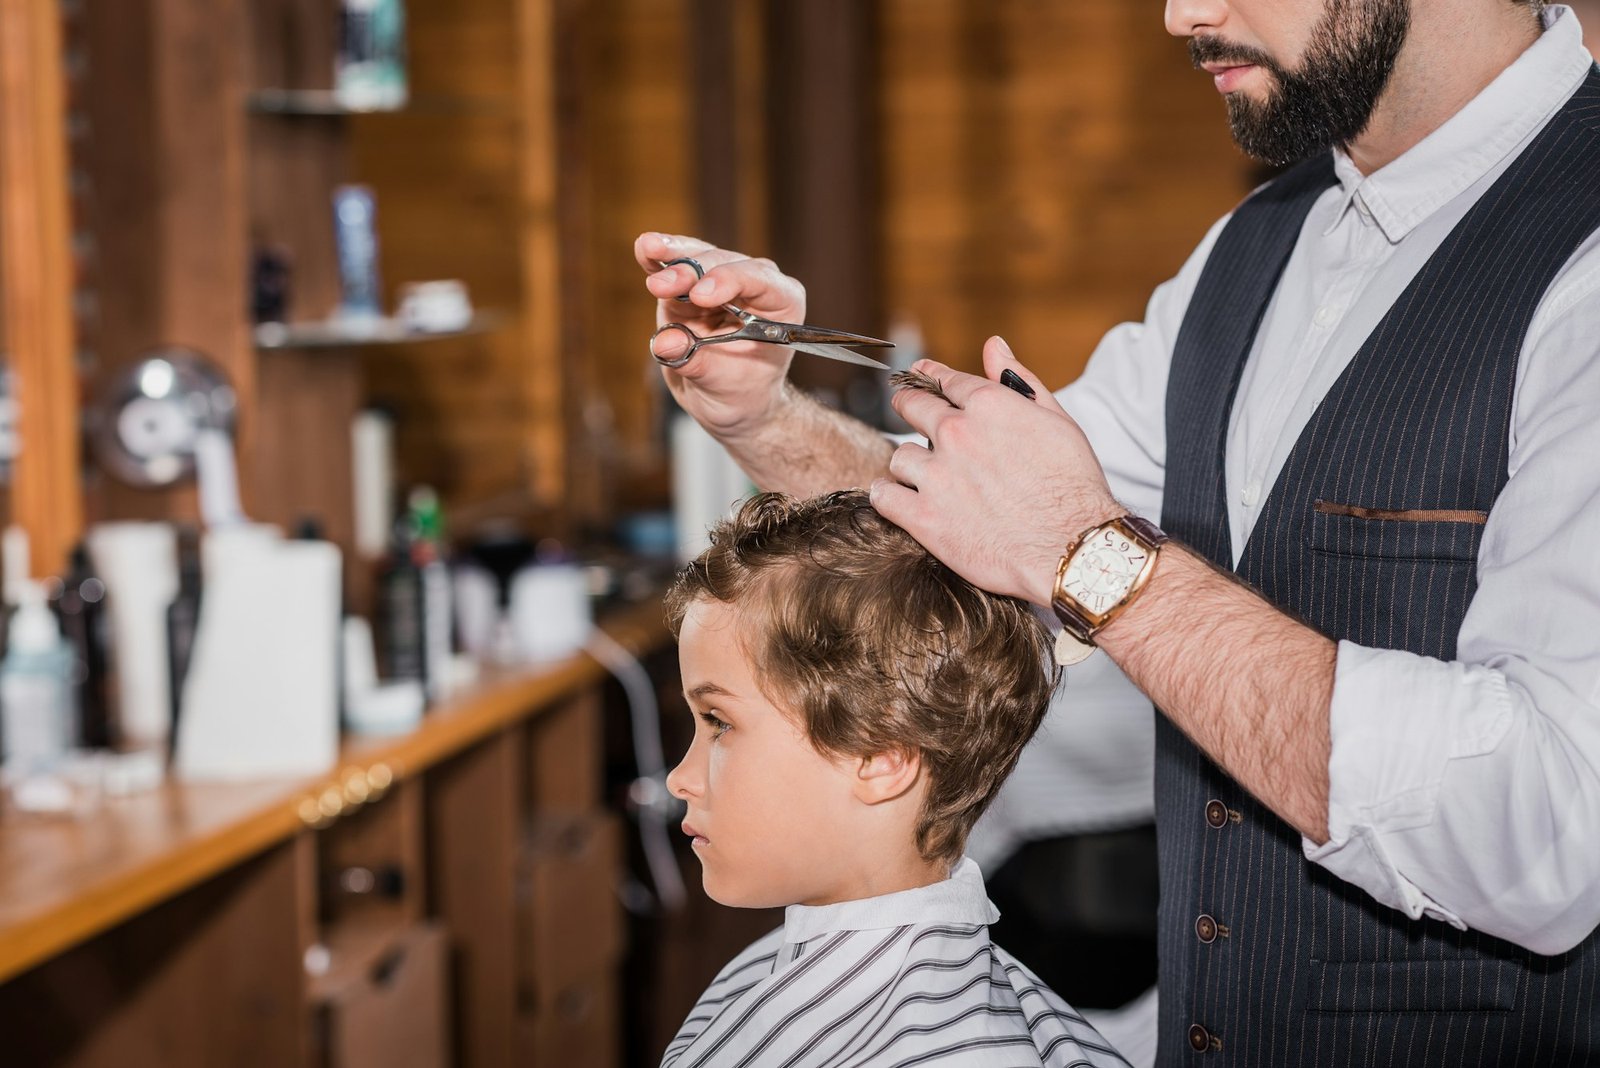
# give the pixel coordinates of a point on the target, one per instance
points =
(876, 646)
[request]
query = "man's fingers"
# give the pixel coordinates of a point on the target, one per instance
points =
(753, 283)
(957, 385)
(908, 463)
(681, 278)
(998, 358)
(669, 345)
(923, 410)
(895, 503)
(652, 249)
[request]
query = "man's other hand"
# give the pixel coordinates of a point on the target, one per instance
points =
(1006, 483)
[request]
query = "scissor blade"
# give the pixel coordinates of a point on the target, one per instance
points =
(834, 352)
(822, 336)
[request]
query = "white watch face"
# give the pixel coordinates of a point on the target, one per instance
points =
(1103, 570)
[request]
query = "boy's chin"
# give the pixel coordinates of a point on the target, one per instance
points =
(737, 893)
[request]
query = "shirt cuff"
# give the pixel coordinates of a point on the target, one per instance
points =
(1395, 723)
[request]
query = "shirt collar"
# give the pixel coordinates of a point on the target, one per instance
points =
(1476, 139)
(960, 899)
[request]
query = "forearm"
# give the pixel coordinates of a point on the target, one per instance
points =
(804, 448)
(1249, 685)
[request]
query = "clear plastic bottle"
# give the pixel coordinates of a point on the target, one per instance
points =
(38, 724)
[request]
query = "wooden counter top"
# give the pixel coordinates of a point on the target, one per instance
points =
(64, 880)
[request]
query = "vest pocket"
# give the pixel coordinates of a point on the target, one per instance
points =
(1357, 532)
(1470, 985)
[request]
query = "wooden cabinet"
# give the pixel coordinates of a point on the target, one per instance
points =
(452, 888)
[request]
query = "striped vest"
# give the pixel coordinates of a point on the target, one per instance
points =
(1266, 958)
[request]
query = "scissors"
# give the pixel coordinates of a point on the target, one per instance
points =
(816, 340)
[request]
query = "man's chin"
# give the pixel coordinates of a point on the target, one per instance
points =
(1261, 135)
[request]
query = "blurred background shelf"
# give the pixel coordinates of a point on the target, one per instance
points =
(336, 334)
(326, 103)
(314, 102)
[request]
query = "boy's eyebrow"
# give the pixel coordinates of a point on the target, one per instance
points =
(708, 689)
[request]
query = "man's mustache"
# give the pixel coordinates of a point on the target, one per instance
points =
(1204, 50)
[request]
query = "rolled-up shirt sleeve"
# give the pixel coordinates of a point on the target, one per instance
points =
(1469, 791)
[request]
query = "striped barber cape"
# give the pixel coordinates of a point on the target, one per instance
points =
(902, 979)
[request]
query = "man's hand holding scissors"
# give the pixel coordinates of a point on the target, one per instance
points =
(737, 390)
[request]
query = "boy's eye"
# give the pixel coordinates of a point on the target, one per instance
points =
(718, 727)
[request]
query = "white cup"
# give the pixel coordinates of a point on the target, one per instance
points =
(550, 615)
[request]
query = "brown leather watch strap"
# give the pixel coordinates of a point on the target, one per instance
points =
(1146, 529)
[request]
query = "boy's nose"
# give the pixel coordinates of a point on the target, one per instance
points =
(1188, 18)
(683, 781)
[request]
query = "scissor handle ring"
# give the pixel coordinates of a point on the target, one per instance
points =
(699, 272)
(694, 343)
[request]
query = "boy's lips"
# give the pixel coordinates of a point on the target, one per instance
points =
(699, 839)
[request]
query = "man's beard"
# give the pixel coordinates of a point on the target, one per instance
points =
(1330, 99)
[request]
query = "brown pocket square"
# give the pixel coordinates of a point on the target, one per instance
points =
(1403, 515)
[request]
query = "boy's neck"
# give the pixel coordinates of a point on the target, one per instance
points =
(890, 875)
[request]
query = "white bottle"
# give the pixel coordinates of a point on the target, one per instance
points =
(37, 720)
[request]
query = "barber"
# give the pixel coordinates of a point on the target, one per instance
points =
(1367, 413)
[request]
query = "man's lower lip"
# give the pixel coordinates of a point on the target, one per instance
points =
(1227, 81)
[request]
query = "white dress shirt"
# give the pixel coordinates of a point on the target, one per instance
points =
(1468, 791)
(900, 979)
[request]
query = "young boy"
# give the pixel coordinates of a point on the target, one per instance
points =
(858, 706)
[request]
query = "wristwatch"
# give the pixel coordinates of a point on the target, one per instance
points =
(1100, 574)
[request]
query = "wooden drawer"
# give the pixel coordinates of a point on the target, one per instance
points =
(580, 1026)
(570, 923)
(388, 1006)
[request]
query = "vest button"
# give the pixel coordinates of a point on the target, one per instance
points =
(1216, 813)
(1205, 929)
(1199, 1038)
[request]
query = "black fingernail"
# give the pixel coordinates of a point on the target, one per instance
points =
(1011, 379)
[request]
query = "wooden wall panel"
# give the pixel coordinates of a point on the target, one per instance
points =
(167, 152)
(37, 305)
(446, 176)
(530, 184)
(1045, 166)
(305, 401)
(640, 173)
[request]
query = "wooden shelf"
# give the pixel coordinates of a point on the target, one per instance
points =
(311, 103)
(326, 103)
(65, 881)
(335, 334)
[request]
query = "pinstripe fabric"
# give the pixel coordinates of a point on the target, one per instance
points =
(900, 980)
(1311, 970)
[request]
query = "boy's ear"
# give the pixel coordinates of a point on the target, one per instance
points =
(887, 775)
